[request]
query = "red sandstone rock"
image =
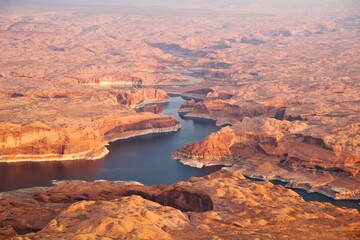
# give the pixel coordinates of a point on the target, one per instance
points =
(186, 107)
(259, 147)
(291, 63)
(76, 133)
(25, 217)
(7, 232)
(237, 205)
(141, 97)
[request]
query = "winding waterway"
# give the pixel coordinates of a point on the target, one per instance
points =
(146, 159)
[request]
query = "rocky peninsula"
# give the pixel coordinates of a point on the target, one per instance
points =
(280, 79)
(82, 129)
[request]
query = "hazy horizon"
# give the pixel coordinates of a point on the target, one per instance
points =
(261, 6)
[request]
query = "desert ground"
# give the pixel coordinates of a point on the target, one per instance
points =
(282, 79)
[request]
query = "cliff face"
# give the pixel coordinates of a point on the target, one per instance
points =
(214, 150)
(76, 126)
(128, 218)
(141, 126)
(283, 139)
(37, 141)
(186, 107)
(226, 112)
(223, 205)
(290, 151)
(141, 97)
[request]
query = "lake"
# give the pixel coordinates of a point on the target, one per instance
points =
(146, 159)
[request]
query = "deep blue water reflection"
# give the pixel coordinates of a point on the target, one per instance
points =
(146, 159)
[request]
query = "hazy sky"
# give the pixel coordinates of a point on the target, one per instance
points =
(255, 6)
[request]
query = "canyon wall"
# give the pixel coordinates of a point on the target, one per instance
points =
(82, 127)
(223, 205)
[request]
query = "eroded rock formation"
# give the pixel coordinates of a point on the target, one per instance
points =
(141, 97)
(81, 129)
(239, 207)
(267, 148)
(285, 79)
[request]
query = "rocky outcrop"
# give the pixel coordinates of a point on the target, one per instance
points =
(179, 197)
(142, 97)
(7, 232)
(39, 142)
(125, 210)
(24, 217)
(225, 112)
(288, 141)
(77, 126)
(214, 150)
(138, 127)
(288, 151)
(128, 218)
(186, 107)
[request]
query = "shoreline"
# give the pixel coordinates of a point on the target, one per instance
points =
(150, 102)
(132, 134)
(188, 161)
(99, 153)
(194, 162)
(103, 153)
(227, 165)
(288, 184)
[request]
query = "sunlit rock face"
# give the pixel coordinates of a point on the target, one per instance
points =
(78, 124)
(280, 77)
(223, 204)
(141, 97)
(266, 148)
(131, 217)
(290, 110)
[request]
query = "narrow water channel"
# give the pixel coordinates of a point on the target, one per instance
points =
(322, 198)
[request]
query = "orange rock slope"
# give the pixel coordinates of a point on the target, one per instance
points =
(223, 205)
(289, 92)
(272, 149)
(76, 127)
(283, 75)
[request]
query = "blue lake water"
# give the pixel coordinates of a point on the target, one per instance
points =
(146, 159)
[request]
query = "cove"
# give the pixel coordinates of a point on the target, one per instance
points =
(146, 159)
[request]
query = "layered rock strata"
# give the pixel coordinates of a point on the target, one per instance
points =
(79, 130)
(142, 97)
(239, 208)
(186, 107)
(267, 148)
